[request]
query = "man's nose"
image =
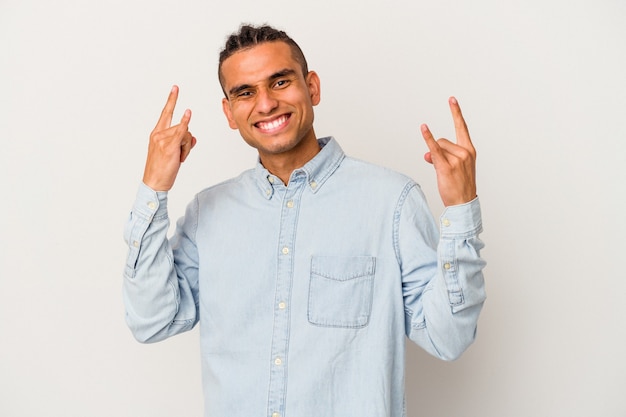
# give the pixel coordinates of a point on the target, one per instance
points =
(266, 101)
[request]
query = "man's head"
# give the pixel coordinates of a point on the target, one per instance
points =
(269, 96)
(250, 36)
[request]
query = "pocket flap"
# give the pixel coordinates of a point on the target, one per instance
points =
(342, 268)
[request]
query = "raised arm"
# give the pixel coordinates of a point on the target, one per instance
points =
(160, 294)
(444, 293)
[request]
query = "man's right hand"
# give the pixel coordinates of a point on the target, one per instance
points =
(169, 147)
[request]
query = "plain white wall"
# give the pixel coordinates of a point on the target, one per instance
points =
(541, 83)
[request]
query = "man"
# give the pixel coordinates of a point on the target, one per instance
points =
(305, 272)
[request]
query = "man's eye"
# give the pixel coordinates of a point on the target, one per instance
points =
(244, 94)
(281, 83)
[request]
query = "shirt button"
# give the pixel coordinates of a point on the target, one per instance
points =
(446, 222)
(282, 305)
(447, 265)
(152, 205)
(268, 191)
(285, 250)
(135, 244)
(275, 414)
(271, 180)
(290, 203)
(313, 184)
(278, 361)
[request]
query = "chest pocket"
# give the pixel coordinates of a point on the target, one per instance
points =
(340, 290)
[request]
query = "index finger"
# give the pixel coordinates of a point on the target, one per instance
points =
(165, 120)
(462, 133)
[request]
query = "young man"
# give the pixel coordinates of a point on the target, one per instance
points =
(307, 271)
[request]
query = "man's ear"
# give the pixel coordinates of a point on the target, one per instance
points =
(228, 113)
(313, 82)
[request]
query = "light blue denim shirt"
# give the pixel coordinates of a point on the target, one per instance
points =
(304, 293)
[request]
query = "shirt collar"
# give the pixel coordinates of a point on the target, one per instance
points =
(316, 171)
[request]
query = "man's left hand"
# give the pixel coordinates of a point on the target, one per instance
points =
(455, 163)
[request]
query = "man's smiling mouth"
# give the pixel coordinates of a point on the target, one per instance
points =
(273, 125)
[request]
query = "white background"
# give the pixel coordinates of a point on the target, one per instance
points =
(542, 85)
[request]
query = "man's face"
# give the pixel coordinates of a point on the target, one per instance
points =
(269, 100)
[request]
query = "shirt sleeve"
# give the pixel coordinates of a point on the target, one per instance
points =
(160, 294)
(443, 283)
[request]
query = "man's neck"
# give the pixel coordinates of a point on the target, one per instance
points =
(283, 164)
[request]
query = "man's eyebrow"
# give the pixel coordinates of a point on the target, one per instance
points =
(238, 88)
(279, 74)
(282, 73)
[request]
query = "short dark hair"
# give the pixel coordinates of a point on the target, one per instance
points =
(249, 36)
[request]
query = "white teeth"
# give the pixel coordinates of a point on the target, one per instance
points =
(273, 124)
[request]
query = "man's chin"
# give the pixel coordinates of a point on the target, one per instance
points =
(274, 145)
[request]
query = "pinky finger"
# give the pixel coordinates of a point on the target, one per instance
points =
(428, 137)
(433, 146)
(186, 147)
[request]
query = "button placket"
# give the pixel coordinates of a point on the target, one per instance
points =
(284, 277)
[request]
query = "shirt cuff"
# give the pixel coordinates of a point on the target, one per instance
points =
(461, 220)
(150, 204)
